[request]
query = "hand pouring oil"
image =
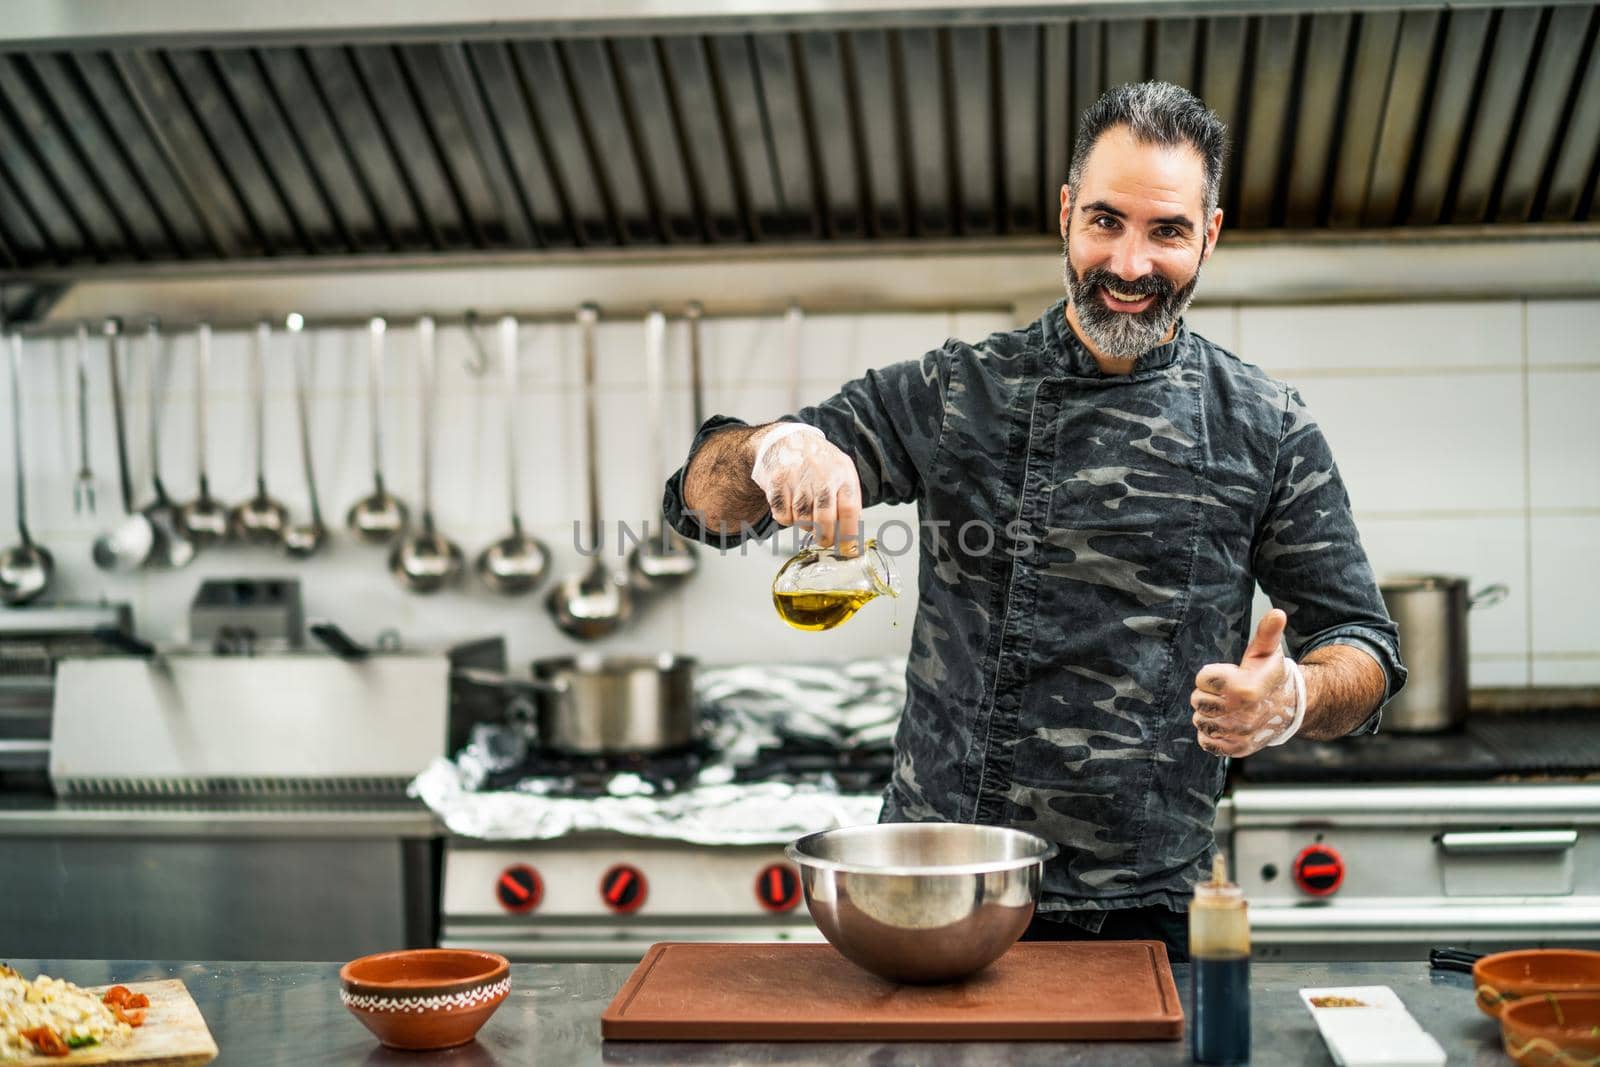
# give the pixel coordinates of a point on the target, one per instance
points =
(1219, 970)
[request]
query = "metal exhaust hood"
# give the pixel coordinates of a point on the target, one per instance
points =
(172, 136)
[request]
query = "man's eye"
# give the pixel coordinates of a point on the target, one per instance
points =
(1105, 222)
(1167, 233)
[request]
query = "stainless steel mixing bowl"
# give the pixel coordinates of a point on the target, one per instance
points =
(921, 902)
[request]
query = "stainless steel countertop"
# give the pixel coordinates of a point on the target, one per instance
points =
(35, 815)
(289, 1013)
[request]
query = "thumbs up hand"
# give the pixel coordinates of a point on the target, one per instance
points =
(1241, 709)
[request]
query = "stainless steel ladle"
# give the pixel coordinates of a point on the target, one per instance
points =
(125, 546)
(303, 539)
(25, 568)
(173, 547)
(83, 489)
(593, 604)
(424, 560)
(261, 519)
(664, 558)
(204, 517)
(515, 563)
(377, 517)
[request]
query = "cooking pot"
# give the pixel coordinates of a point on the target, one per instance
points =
(1431, 613)
(612, 706)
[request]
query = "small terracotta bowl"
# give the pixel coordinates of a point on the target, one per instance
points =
(425, 998)
(1553, 1030)
(1507, 977)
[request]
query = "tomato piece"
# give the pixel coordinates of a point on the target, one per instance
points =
(137, 1000)
(117, 994)
(46, 1041)
(132, 1018)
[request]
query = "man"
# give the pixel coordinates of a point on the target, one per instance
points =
(1099, 493)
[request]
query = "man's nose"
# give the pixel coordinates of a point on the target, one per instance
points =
(1131, 260)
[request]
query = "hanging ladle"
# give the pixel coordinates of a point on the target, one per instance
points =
(204, 518)
(83, 485)
(593, 604)
(663, 558)
(25, 568)
(425, 561)
(127, 545)
(379, 516)
(515, 563)
(303, 540)
(261, 519)
(173, 547)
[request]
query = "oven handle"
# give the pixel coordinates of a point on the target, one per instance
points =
(1504, 841)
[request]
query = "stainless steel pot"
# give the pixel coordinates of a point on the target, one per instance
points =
(1431, 612)
(594, 706)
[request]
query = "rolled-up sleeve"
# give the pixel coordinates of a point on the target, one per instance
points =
(1307, 557)
(890, 421)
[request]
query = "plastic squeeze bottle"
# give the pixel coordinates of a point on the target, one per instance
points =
(1219, 969)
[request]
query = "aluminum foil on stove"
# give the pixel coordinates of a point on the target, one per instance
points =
(751, 813)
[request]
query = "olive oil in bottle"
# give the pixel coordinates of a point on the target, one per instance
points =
(1219, 969)
(819, 609)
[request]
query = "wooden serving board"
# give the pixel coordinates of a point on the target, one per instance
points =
(1037, 991)
(174, 1033)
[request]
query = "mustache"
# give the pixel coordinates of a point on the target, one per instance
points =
(1152, 284)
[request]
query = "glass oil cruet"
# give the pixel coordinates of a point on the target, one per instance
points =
(819, 588)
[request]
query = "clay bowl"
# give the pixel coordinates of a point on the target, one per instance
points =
(425, 998)
(1507, 977)
(1556, 1028)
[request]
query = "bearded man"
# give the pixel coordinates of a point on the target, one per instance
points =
(1087, 671)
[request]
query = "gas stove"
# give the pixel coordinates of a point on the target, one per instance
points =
(570, 858)
(608, 895)
(1383, 847)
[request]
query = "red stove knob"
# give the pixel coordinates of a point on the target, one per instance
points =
(778, 887)
(623, 888)
(1319, 870)
(520, 889)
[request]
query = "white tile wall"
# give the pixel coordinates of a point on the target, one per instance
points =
(1343, 338)
(1465, 431)
(1564, 436)
(1563, 332)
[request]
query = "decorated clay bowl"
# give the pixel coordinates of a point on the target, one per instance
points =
(425, 998)
(1553, 1030)
(1507, 977)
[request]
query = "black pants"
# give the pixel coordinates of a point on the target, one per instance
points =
(1125, 924)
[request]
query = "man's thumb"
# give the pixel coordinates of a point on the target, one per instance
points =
(1269, 636)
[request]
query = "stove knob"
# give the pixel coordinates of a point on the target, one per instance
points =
(520, 889)
(778, 887)
(1319, 870)
(623, 888)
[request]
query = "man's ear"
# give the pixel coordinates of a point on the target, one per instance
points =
(1066, 209)
(1213, 231)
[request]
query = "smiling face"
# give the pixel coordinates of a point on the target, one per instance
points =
(1134, 238)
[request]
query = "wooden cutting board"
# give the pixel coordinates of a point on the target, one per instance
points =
(174, 1033)
(1037, 991)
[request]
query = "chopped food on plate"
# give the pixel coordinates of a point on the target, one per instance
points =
(51, 1017)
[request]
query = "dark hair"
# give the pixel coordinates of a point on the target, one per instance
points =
(1156, 113)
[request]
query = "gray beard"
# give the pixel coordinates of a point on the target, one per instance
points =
(1120, 334)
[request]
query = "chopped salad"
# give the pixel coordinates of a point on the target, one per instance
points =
(51, 1017)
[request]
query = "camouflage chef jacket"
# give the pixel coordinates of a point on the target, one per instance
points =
(1131, 516)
